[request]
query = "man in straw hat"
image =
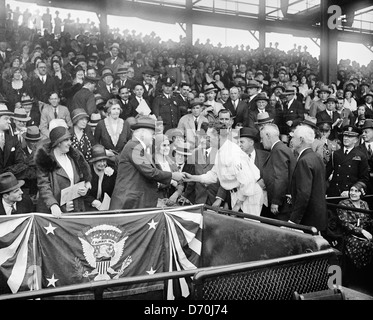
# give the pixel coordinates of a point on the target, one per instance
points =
(235, 172)
(262, 106)
(11, 155)
(318, 105)
(12, 200)
(137, 179)
(123, 81)
(348, 164)
(114, 61)
(20, 119)
(211, 105)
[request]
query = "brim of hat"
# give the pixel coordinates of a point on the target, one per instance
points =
(21, 119)
(32, 139)
(264, 99)
(268, 120)
(92, 124)
(64, 137)
(252, 86)
(328, 91)
(6, 113)
(309, 123)
(143, 125)
(247, 136)
(79, 116)
(98, 159)
(18, 185)
(183, 153)
(209, 90)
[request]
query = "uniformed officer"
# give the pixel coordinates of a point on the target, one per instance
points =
(165, 106)
(347, 165)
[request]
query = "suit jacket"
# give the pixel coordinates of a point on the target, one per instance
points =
(295, 113)
(239, 114)
(85, 99)
(167, 110)
(134, 103)
(197, 192)
(277, 172)
(127, 110)
(129, 84)
(187, 126)
(364, 149)
(115, 65)
(346, 169)
(42, 90)
(137, 178)
(11, 157)
(23, 206)
(47, 115)
(324, 116)
(308, 189)
(183, 105)
(104, 92)
(103, 136)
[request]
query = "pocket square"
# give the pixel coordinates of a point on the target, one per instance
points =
(13, 149)
(356, 158)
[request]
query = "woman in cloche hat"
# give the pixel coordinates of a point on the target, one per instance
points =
(103, 179)
(60, 166)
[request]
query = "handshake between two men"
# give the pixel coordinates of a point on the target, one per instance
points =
(185, 177)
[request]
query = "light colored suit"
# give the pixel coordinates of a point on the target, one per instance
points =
(47, 115)
(187, 126)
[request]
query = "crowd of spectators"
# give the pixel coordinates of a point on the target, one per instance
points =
(56, 69)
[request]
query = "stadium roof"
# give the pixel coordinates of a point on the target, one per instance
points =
(296, 17)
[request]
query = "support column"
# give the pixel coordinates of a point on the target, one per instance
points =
(328, 47)
(188, 23)
(2, 20)
(262, 29)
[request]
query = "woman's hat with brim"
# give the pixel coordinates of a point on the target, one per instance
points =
(246, 132)
(144, 122)
(20, 114)
(183, 148)
(9, 182)
(370, 93)
(57, 135)
(98, 153)
(174, 132)
(32, 133)
(324, 89)
(4, 111)
(263, 118)
(78, 114)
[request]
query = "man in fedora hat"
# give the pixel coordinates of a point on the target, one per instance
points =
(123, 81)
(252, 89)
(32, 109)
(348, 164)
(32, 137)
(318, 105)
(114, 61)
(12, 199)
(262, 106)
(211, 106)
(19, 122)
(53, 110)
(106, 87)
(191, 122)
(165, 106)
(293, 111)
(85, 97)
(136, 183)
(11, 156)
(330, 114)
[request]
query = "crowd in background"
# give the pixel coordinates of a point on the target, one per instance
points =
(55, 68)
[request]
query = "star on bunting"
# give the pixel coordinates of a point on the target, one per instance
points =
(151, 271)
(52, 281)
(152, 224)
(50, 229)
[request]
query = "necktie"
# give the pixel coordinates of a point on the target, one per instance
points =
(179, 167)
(369, 150)
(43, 79)
(14, 211)
(55, 113)
(346, 152)
(196, 123)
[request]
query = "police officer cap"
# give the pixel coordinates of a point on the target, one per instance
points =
(168, 81)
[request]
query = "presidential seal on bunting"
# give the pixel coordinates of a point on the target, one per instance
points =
(103, 247)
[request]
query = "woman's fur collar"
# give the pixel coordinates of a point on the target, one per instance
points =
(45, 161)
